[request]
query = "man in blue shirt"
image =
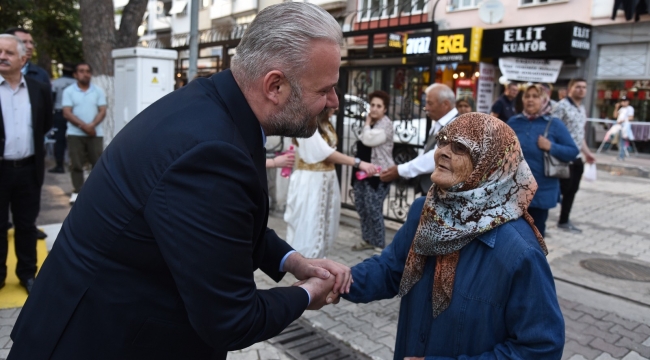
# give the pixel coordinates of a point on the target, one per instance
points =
(30, 70)
(504, 107)
(84, 106)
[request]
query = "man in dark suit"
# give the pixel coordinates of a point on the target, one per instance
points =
(30, 69)
(156, 258)
(26, 113)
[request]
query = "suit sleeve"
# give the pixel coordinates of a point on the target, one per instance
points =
(276, 249)
(201, 213)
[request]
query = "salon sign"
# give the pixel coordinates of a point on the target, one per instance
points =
(569, 39)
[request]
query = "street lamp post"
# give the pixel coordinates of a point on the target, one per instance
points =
(434, 44)
(194, 40)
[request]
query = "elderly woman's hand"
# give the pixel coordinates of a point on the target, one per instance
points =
(544, 143)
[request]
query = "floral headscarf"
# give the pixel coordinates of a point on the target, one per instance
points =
(546, 107)
(498, 190)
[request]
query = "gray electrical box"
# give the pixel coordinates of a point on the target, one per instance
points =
(142, 76)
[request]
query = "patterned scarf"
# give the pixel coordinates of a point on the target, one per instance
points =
(498, 190)
(546, 107)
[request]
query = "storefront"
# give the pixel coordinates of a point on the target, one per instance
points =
(619, 65)
(550, 53)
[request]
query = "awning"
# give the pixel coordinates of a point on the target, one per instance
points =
(178, 7)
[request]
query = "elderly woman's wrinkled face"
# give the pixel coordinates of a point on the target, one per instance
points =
(453, 164)
(532, 101)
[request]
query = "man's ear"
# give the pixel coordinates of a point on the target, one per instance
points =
(276, 87)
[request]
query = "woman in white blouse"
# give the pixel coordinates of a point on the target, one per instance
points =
(314, 197)
(375, 145)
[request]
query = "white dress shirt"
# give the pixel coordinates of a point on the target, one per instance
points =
(17, 118)
(424, 163)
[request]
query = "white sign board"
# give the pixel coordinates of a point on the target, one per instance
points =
(485, 88)
(533, 70)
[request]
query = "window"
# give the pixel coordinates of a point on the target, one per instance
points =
(373, 9)
(539, 2)
(464, 4)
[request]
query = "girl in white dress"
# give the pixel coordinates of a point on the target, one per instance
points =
(314, 196)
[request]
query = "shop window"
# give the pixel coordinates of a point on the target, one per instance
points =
(623, 60)
(463, 4)
(374, 9)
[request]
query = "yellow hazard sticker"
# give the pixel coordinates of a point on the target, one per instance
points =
(155, 80)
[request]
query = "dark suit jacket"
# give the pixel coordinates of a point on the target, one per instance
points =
(156, 258)
(40, 97)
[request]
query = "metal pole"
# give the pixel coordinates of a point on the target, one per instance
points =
(434, 45)
(194, 40)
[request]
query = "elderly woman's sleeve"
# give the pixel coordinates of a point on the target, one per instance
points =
(565, 148)
(379, 277)
(533, 317)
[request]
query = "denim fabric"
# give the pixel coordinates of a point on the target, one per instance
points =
(504, 304)
(562, 147)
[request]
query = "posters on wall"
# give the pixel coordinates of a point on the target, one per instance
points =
(532, 70)
(485, 89)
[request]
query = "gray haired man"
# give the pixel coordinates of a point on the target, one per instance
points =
(156, 259)
(441, 108)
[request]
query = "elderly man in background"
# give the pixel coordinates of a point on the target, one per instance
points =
(157, 256)
(440, 107)
(25, 116)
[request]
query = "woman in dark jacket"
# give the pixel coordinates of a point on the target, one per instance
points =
(529, 127)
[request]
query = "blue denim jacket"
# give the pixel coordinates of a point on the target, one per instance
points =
(503, 306)
(562, 147)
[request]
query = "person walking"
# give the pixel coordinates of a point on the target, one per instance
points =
(60, 123)
(572, 113)
(440, 106)
(624, 113)
(84, 106)
(375, 145)
(530, 127)
(504, 107)
(157, 257)
(25, 116)
(30, 69)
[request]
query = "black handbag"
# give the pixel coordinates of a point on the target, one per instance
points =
(553, 167)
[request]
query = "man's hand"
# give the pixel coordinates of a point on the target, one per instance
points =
(390, 174)
(590, 158)
(320, 292)
(304, 269)
(88, 129)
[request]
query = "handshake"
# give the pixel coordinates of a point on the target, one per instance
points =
(324, 280)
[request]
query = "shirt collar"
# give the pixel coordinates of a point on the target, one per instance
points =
(76, 87)
(489, 238)
(25, 68)
(571, 102)
(22, 81)
(263, 136)
(444, 120)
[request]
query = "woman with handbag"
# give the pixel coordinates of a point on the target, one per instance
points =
(548, 148)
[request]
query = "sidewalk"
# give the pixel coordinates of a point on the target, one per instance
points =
(636, 165)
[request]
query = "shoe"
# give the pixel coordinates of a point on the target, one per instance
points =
(40, 234)
(362, 245)
(73, 198)
(27, 284)
(57, 170)
(568, 226)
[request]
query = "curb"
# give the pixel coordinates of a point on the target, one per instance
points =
(625, 170)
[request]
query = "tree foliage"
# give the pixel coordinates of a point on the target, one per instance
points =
(54, 24)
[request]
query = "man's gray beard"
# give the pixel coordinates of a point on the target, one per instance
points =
(294, 119)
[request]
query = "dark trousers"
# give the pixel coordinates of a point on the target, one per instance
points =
(369, 203)
(61, 125)
(82, 150)
(569, 188)
(539, 216)
(19, 191)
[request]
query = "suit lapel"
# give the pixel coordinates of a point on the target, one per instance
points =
(245, 120)
(35, 100)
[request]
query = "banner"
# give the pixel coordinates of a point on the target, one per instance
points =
(532, 70)
(485, 90)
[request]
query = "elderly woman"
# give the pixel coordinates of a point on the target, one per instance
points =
(530, 126)
(465, 105)
(469, 263)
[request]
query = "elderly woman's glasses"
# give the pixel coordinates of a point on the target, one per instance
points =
(456, 147)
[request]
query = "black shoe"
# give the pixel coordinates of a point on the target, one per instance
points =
(9, 226)
(40, 235)
(27, 284)
(57, 170)
(568, 226)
